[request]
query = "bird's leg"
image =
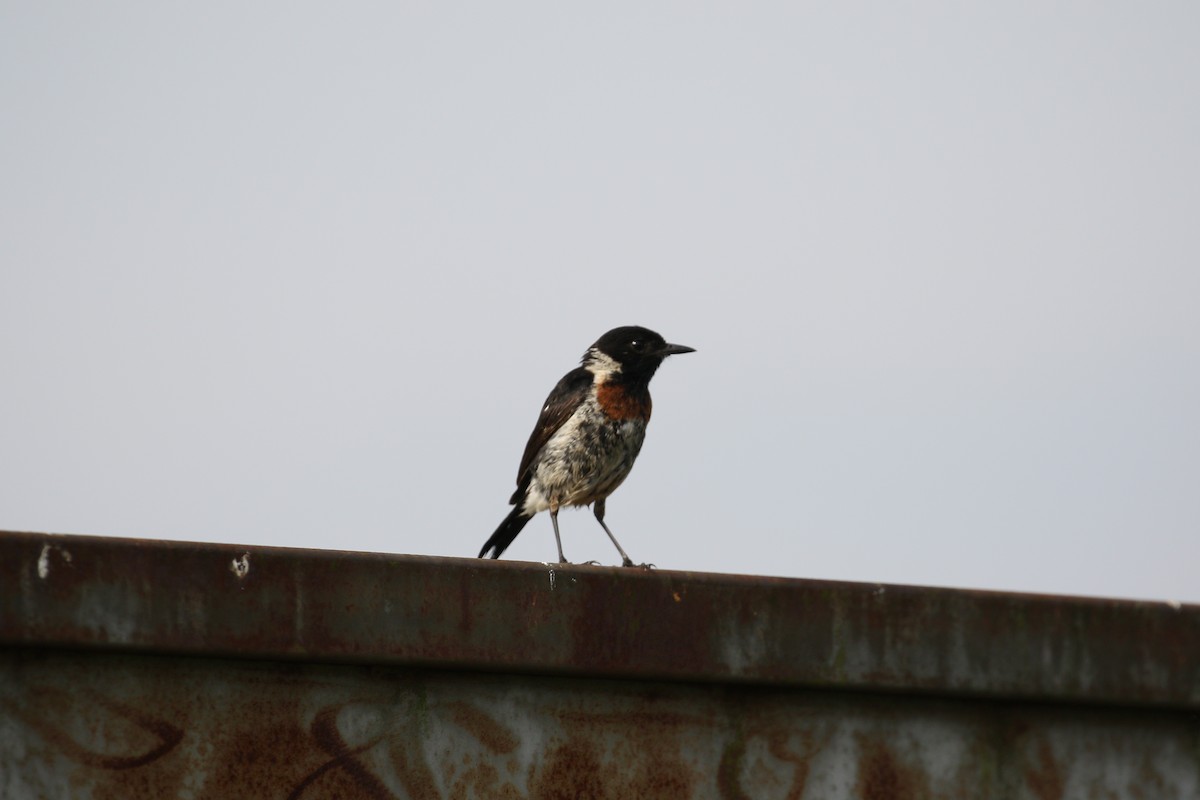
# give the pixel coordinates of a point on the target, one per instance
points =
(557, 539)
(626, 561)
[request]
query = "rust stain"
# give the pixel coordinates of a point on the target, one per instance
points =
(646, 759)
(408, 760)
(729, 770)
(1045, 780)
(572, 771)
(482, 780)
(494, 736)
(655, 720)
(882, 776)
(665, 778)
(261, 761)
(644, 763)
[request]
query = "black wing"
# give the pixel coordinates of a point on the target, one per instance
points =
(560, 405)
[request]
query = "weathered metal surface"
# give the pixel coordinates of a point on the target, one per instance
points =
(126, 727)
(273, 603)
(136, 669)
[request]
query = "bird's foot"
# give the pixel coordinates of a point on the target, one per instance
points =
(629, 563)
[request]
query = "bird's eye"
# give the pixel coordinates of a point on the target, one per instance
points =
(637, 345)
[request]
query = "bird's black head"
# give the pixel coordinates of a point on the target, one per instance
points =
(632, 351)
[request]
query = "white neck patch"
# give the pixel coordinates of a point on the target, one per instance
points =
(600, 365)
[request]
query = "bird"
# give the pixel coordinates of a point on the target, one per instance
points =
(588, 434)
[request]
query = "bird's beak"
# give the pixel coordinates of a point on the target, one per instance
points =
(676, 349)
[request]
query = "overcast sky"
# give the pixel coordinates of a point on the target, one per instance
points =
(302, 274)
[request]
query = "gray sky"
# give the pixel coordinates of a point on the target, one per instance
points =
(303, 274)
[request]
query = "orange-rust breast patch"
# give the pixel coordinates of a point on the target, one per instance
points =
(619, 403)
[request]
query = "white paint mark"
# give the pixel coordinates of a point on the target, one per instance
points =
(241, 566)
(552, 579)
(43, 562)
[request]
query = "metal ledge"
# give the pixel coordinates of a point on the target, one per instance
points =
(276, 603)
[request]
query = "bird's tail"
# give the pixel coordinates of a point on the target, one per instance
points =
(504, 535)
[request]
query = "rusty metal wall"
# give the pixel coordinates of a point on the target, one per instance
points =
(153, 670)
(113, 726)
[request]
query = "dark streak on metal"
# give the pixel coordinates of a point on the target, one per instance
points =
(325, 734)
(167, 735)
